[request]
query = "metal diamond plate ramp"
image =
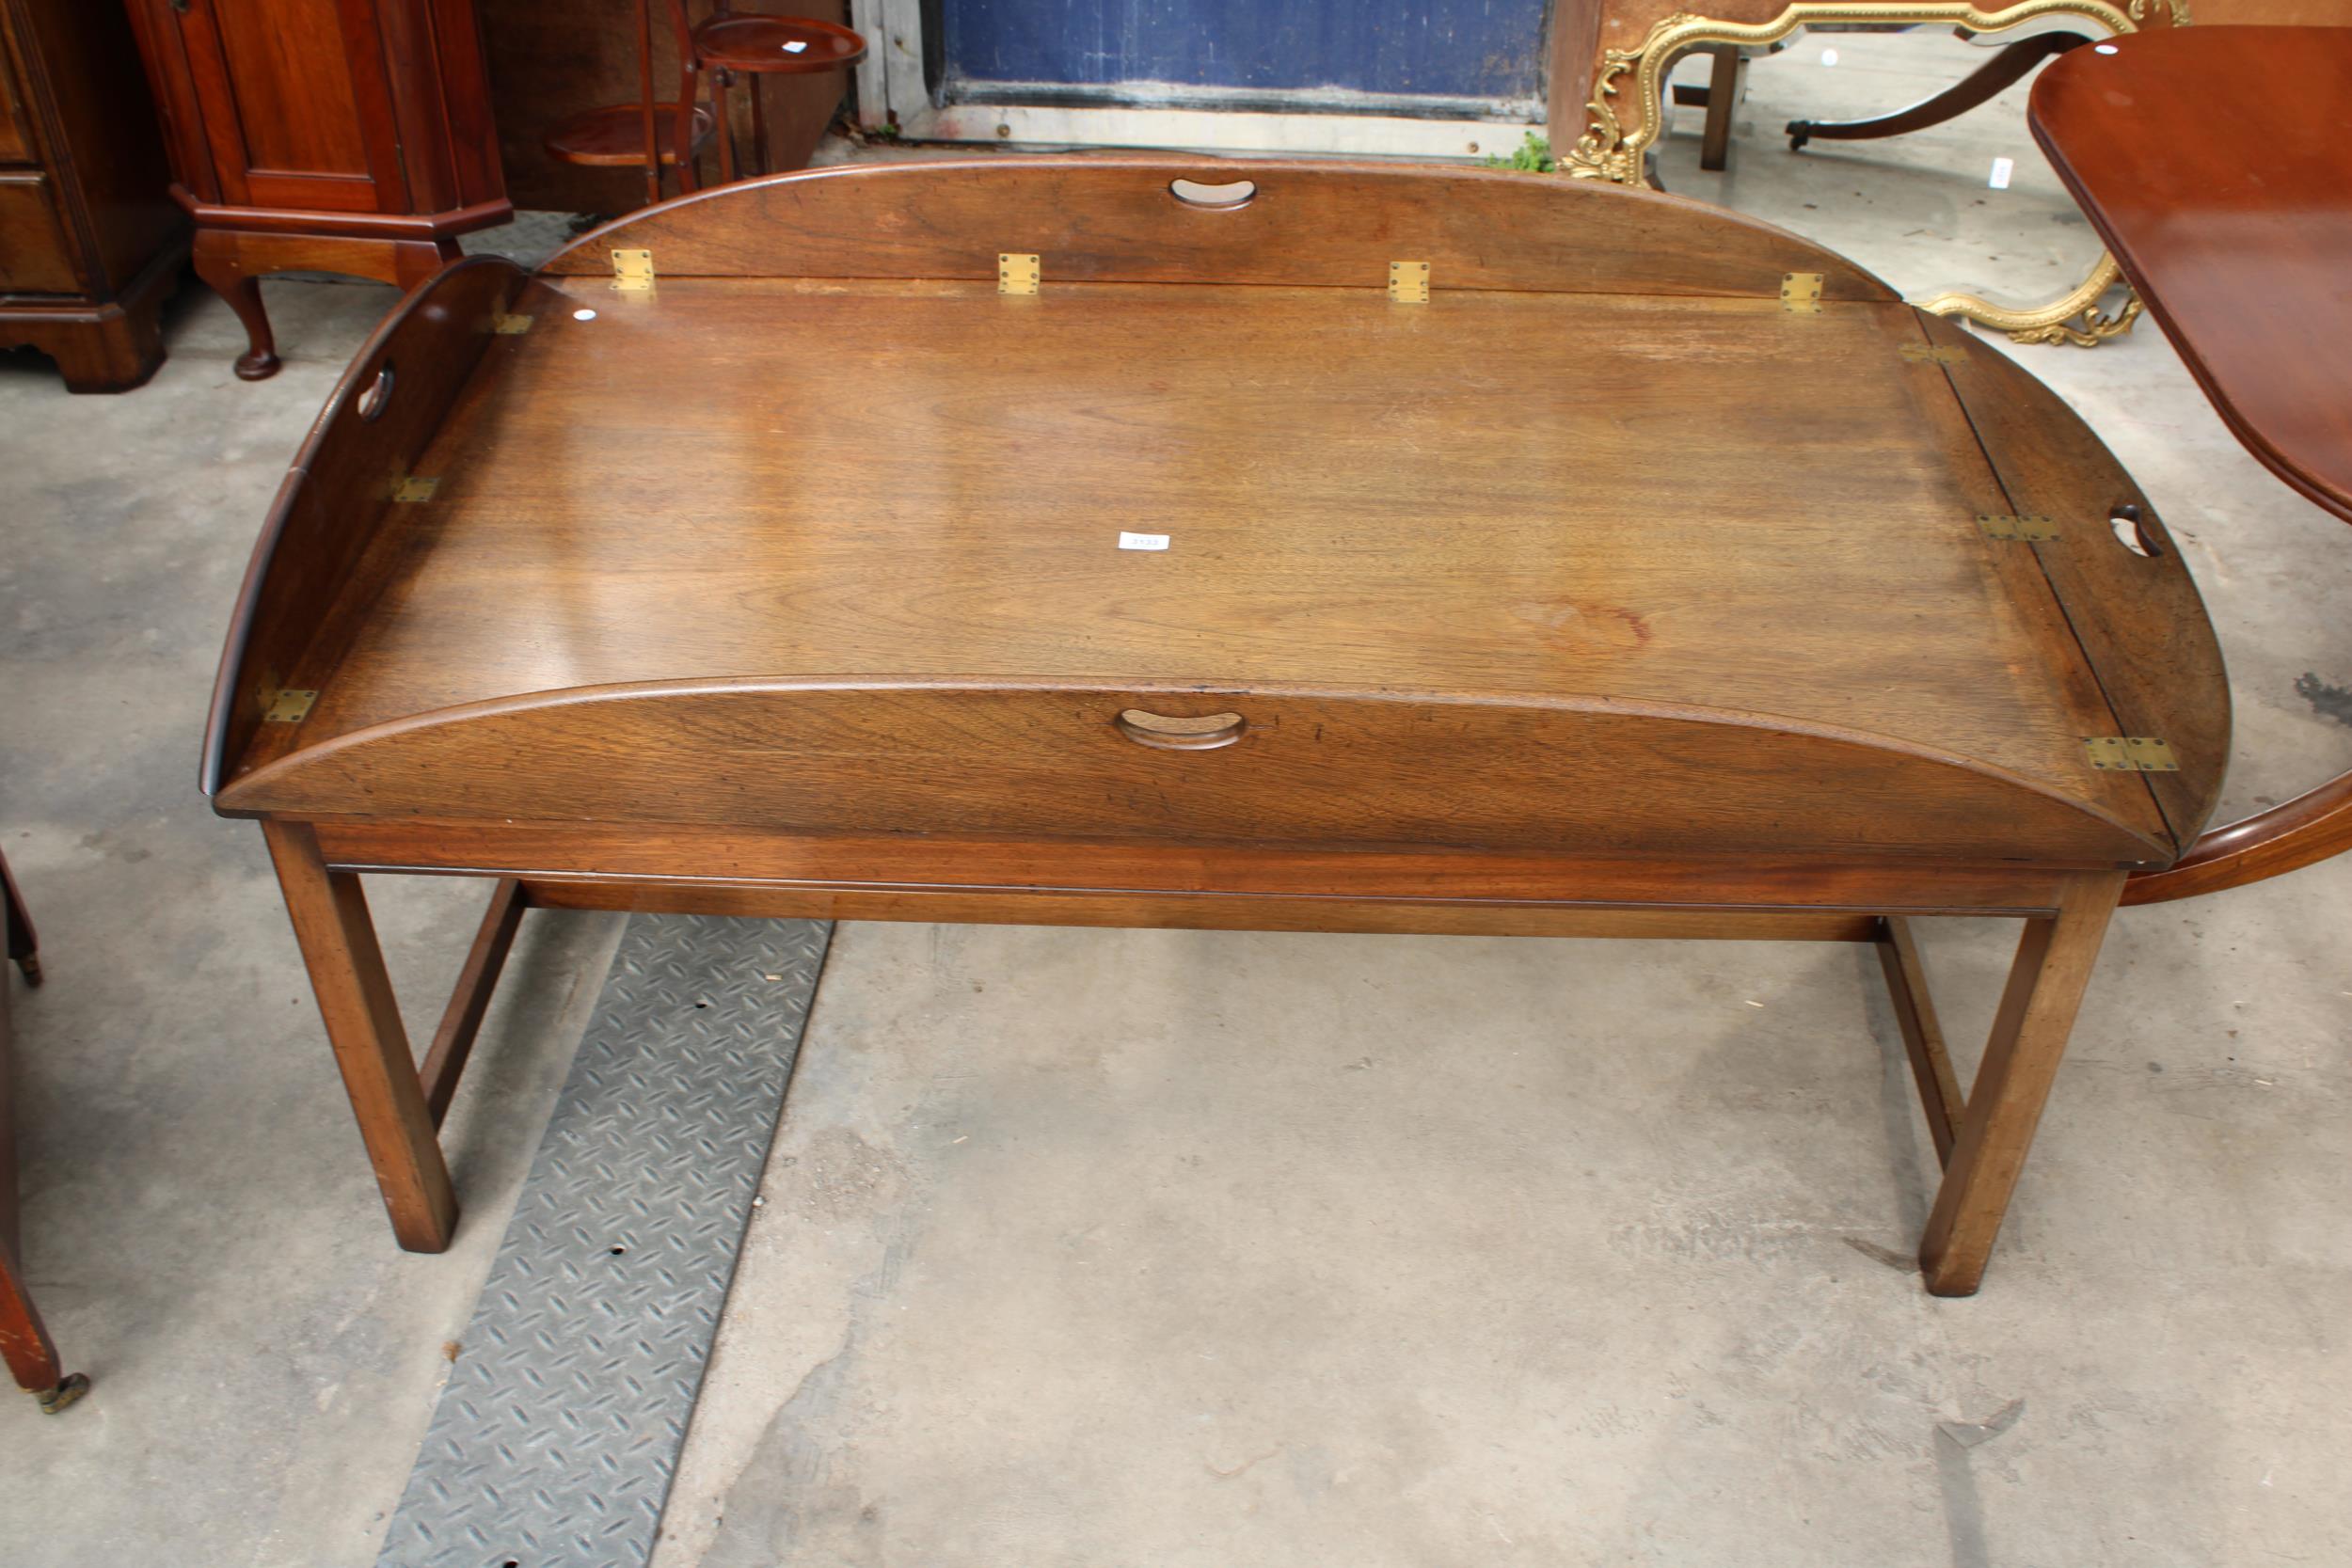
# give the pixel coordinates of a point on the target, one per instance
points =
(555, 1440)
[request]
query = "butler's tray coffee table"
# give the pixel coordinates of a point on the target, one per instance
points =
(1259, 545)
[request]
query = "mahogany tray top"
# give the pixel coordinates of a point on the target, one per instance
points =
(705, 555)
(1239, 545)
(2216, 164)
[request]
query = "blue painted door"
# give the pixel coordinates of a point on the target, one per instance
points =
(1478, 58)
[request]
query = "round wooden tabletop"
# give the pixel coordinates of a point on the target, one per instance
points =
(776, 44)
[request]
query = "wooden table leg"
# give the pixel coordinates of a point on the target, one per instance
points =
(453, 1042)
(30, 1354)
(354, 996)
(1923, 1036)
(1722, 96)
(2045, 985)
(2007, 67)
(24, 1343)
(722, 123)
(24, 942)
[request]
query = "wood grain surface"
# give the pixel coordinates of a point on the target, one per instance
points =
(1585, 569)
(2137, 616)
(1198, 911)
(937, 755)
(1115, 220)
(635, 852)
(326, 513)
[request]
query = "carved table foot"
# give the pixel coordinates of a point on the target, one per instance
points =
(2074, 319)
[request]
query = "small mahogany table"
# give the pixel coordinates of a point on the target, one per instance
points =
(2216, 164)
(1257, 545)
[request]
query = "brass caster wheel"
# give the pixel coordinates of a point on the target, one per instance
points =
(54, 1400)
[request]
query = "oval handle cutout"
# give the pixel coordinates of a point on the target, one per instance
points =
(2129, 531)
(1221, 198)
(378, 393)
(1175, 733)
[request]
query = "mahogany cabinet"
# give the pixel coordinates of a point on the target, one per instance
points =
(89, 241)
(335, 135)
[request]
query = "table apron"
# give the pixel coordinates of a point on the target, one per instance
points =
(912, 876)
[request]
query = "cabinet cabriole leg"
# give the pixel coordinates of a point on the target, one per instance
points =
(217, 265)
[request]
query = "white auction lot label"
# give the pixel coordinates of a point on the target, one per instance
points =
(1142, 541)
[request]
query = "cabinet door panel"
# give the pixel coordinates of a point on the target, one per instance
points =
(297, 111)
(16, 141)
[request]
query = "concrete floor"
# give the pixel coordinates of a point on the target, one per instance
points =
(1173, 1248)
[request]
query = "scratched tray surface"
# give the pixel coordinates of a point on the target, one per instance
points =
(1497, 493)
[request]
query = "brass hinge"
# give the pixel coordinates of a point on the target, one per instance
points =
(414, 489)
(2032, 529)
(1408, 282)
(287, 705)
(507, 326)
(2129, 754)
(1933, 354)
(1016, 273)
(1801, 293)
(632, 271)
